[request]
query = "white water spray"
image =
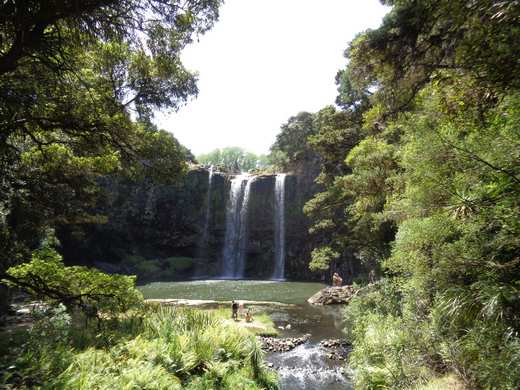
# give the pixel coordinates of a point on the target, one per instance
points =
(279, 225)
(205, 233)
(235, 244)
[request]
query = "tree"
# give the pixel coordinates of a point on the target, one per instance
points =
(39, 31)
(45, 277)
(438, 160)
(291, 147)
(349, 238)
(232, 159)
(420, 39)
(73, 75)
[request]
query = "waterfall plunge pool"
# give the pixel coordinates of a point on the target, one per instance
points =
(227, 290)
(304, 368)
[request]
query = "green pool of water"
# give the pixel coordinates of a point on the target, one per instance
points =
(226, 290)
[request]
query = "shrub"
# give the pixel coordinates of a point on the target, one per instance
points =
(388, 353)
(390, 350)
(144, 268)
(46, 277)
(486, 356)
(165, 348)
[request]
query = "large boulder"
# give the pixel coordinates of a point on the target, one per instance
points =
(333, 295)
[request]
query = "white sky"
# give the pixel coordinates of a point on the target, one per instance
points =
(264, 61)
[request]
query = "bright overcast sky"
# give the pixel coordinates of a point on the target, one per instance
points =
(264, 61)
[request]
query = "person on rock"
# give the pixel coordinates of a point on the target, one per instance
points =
(234, 310)
(337, 281)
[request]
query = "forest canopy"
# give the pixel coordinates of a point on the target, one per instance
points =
(79, 82)
(419, 175)
(233, 159)
(420, 170)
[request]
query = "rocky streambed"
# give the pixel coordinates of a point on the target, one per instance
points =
(276, 344)
(307, 367)
(310, 352)
(334, 349)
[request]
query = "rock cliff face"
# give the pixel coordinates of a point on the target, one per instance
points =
(158, 231)
(260, 229)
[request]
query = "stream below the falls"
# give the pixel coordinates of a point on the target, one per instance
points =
(305, 367)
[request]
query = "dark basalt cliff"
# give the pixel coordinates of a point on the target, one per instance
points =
(158, 231)
(260, 229)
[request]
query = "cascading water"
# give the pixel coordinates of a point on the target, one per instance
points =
(235, 244)
(242, 238)
(279, 225)
(205, 233)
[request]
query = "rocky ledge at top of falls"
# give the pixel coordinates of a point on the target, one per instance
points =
(333, 295)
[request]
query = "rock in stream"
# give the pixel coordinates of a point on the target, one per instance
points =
(274, 344)
(333, 295)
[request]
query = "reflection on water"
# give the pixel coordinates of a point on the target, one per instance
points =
(322, 322)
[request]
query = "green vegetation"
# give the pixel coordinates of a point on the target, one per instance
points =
(267, 323)
(419, 191)
(79, 82)
(154, 347)
(233, 159)
(130, 344)
(290, 148)
(175, 264)
(92, 291)
(421, 177)
(261, 325)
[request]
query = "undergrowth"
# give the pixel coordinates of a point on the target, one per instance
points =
(151, 348)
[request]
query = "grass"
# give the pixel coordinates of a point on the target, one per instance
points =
(448, 382)
(267, 322)
(262, 324)
(154, 348)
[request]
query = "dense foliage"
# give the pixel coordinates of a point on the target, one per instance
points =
(422, 177)
(443, 124)
(233, 159)
(153, 347)
(46, 278)
(78, 85)
(419, 177)
(290, 148)
(79, 82)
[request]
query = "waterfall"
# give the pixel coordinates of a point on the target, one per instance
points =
(279, 227)
(235, 244)
(242, 237)
(205, 233)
